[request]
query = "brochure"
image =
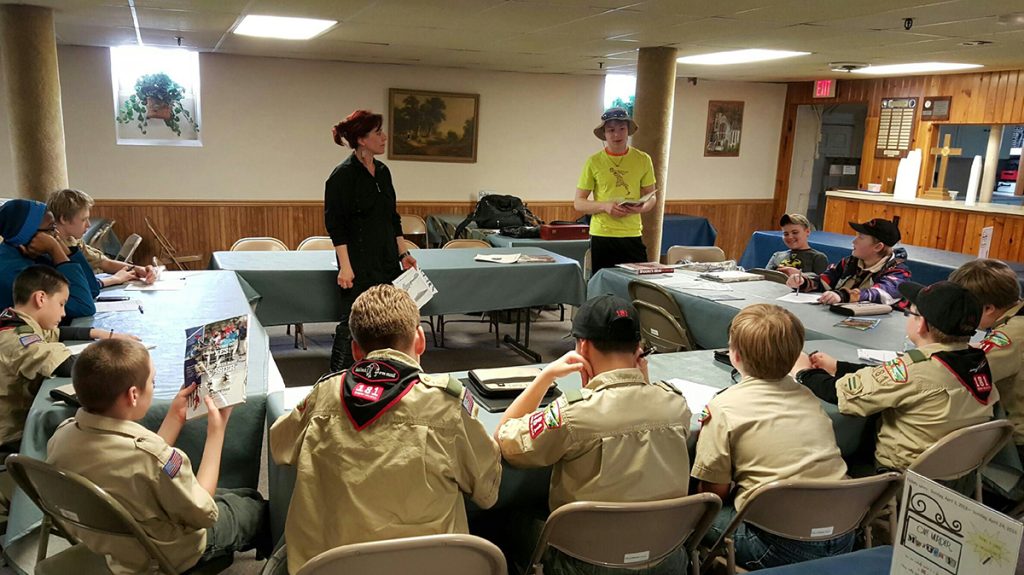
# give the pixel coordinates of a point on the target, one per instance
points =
(858, 323)
(216, 360)
(637, 201)
(417, 284)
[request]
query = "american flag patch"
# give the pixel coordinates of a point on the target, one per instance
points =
(173, 465)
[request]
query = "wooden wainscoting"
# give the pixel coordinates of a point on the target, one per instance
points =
(199, 227)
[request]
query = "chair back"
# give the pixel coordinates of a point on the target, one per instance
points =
(318, 243)
(101, 233)
(770, 275)
(963, 451)
(627, 535)
(661, 297)
(814, 510)
(696, 254)
(587, 266)
(413, 224)
(131, 243)
(461, 243)
(259, 245)
(409, 245)
(660, 329)
(167, 249)
(451, 554)
(69, 499)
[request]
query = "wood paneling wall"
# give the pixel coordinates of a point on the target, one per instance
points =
(979, 98)
(205, 227)
(944, 229)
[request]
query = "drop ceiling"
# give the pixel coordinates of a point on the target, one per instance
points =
(572, 36)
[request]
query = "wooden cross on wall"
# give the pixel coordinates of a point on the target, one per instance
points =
(943, 154)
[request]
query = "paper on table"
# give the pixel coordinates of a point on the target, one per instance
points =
(794, 297)
(497, 258)
(160, 285)
(294, 395)
(418, 286)
(876, 355)
(80, 347)
(697, 394)
(679, 281)
(125, 305)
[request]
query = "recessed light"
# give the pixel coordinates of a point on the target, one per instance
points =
(285, 28)
(738, 57)
(915, 68)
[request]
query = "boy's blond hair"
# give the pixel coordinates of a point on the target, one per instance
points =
(107, 369)
(991, 281)
(384, 316)
(68, 203)
(768, 338)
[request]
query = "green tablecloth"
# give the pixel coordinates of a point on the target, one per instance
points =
(301, 287)
(522, 487)
(207, 296)
(572, 249)
(709, 320)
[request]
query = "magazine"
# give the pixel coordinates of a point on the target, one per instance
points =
(857, 323)
(637, 201)
(644, 268)
(513, 258)
(216, 356)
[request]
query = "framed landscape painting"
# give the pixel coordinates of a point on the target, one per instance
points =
(432, 126)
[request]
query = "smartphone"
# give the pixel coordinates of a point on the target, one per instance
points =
(113, 298)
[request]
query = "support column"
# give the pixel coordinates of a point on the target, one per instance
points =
(988, 171)
(28, 50)
(655, 98)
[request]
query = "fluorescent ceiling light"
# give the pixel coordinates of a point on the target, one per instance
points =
(915, 68)
(283, 27)
(738, 57)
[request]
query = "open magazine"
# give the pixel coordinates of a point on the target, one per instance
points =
(637, 201)
(216, 356)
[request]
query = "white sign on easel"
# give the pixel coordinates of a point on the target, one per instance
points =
(941, 532)
(986, 242)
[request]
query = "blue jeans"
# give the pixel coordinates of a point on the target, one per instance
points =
(757, 549)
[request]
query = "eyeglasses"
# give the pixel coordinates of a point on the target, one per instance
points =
(50, 230)
(617, 114)
(908, 313)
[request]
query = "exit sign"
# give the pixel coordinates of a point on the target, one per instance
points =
(825, 88)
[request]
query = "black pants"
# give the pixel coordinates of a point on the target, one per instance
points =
(341, 353)
(606, 252)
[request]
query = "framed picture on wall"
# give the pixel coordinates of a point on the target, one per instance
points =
(156, 96)
(432, 126)
(725, 124)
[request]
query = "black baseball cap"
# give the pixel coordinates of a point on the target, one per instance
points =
(882, 230)
(945, 305)
(607, 318)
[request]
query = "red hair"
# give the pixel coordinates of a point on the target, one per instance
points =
(355, 126)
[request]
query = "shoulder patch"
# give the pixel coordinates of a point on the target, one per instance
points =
(851, 385)
(27, 340)
(24, 328)
(469, 404)
(705, 415)
(173, 465)
(553, 415)
(536, 424)
(995, 340)
(454, 387)
(897, 370)
(573, 395)
(664, 385)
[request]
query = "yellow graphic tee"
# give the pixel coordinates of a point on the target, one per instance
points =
(616, 178)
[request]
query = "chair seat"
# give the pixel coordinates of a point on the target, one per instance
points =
(76, 559)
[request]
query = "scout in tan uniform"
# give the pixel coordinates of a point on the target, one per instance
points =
(71, 215)
(30, 348)
(763, 429)
(940, 387)
(381, 450)
(185, 515)
(619, 438)
(1002, 316)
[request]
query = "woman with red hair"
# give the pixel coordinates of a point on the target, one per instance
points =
(361, 218)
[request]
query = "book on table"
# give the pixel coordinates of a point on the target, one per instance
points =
(216, 360)
(513, 258)
(644, 268)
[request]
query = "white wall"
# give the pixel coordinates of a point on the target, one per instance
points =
(266, 133)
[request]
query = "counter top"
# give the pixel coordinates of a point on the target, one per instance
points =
(981, 208)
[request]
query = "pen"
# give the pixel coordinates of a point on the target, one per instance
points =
(140, 309)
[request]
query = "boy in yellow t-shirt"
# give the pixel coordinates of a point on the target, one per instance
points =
(617, 173)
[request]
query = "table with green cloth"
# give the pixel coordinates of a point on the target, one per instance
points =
(708, 321)
(205, 297)
(523, 487)
(572, 249)
(301, 287)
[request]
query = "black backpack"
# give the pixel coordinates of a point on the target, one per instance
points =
(496, 211)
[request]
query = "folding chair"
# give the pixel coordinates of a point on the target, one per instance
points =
(167, 251)
(131, 243)
(319, 243)
(798, 509)
(770, 275)
(660, 329)
(659, 296)
(466, 244)
(70, 500)
(628, 535)
(696, 254)
(415, 226)
(450, 554)
(463, 243)
(587, 266)
(261, 244)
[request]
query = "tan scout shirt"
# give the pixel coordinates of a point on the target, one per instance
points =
(153, 480)
(28, 354)
(402, 476)
(759, 431)
(621, 439)
(92, 255)
(921, 402)
(1004, 348)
